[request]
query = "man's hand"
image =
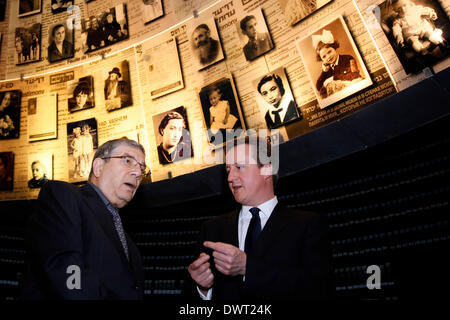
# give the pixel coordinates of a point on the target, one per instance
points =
(200, 272)
(229, 259)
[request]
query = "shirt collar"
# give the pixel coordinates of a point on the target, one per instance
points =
(265, 207)
(107, 203)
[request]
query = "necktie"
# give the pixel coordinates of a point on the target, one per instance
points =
(253, 231)
(277, 116)
(119, 229)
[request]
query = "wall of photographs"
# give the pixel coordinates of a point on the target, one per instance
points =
(182, 76)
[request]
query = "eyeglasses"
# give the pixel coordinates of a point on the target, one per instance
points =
(132, 163)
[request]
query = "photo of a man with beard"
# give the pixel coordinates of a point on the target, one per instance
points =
(206, 48)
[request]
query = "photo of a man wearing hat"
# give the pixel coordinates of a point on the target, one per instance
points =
(117, 89)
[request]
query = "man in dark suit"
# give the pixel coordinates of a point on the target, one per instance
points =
(264, 250)
(77, 246)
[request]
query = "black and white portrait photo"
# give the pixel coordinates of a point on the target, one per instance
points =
(221, 109)
(82, 141)
(172, 134)
(152, 10)
(81, 94)
(61, 5)
(105, 28)
(254, 35)
(29, 7)
(40, 169)
(117, 87)
(10, 114)
(275, 99)
(61, 40)
(418, 31)
(296, 10)
(28, 44)
(6, 171)
(333, 63)
(205, 44)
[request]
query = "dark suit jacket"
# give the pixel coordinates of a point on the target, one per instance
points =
(291, 259)
(291, 114)
(72, 226)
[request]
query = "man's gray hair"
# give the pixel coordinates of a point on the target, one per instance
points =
(106, 149)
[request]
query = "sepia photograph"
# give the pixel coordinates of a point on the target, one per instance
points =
(82, 141)
(296, 10)
(28, 44)
(117, 87)
(60, 42)
(42, 117)
(275, 99)
(152, 10)
(172, 136)
(61, 5)
(40, 169)
(2, 10)
(254, 35)
(418, 31)
(221, 109)
(205, 43)
(105, 28)
(81, 93)
(29, 7)
(6, 171)
(10, 114)
(333, 63)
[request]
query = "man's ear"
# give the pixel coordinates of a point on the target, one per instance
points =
(97, 167)
(266, 170)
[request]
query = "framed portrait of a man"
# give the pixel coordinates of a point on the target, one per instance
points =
(60, 42)
(117, 87)
(10, 114)
(40, 169)
(275, 99)
(6, 171)
(105, 28)
(172, 134)
(205, 43)
(254, 35)
(418, 31)
(221, 110)
(333, 63)
(81, 94)
(296, 10)
(29, 7)
(152, 10)
(82, 141)
(28, 44)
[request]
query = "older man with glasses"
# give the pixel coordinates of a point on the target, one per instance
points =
(78, 248)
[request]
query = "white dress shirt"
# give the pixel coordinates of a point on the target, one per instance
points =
(245, 216)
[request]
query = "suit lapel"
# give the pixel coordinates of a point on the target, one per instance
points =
(104, 218)
(273, 226)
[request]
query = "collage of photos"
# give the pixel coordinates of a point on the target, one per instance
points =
(173, 136)
(333, 63)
